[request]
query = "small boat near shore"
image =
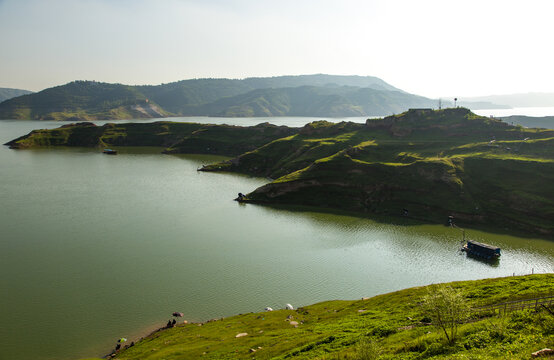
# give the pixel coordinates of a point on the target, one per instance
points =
(484, 251)
(110, 151)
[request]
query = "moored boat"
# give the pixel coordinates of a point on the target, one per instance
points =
(481, 250)
(110, 151)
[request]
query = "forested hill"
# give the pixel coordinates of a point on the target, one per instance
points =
(82, 100)
(7, 93)
(177, 97)
(305, 95)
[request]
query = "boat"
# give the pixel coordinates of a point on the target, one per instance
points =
(481, 250)
(110, 151)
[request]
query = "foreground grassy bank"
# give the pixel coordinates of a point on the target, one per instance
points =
(389, 326)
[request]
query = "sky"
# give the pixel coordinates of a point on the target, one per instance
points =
(434, 48)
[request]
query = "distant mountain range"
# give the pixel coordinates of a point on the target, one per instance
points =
(317, 95)
(7, 93)
(304, 95)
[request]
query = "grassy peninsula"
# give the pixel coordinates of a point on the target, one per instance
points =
(430, 163)
(389, 326)
(423, 164)
(184, 138)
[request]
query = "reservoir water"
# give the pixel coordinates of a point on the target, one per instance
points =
(96, 247)
(526, 111)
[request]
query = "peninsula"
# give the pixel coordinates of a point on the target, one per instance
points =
(422, 164)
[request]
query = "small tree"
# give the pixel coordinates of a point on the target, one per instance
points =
(447, 308)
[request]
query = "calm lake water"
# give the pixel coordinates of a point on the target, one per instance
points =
(96, 247)
(526, 111)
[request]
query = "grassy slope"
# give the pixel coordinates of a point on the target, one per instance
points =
(392, 322)
(434, 164)
(284, 155)
(160, 134)
(228, 139)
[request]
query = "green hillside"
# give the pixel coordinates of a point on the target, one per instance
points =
(172, 136)
(228, 139)
(82, 100)
(423, 164)
(178, 96)
(431, 163)
(7, 93)
(399, 325)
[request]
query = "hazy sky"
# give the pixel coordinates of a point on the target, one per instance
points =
(428, 47)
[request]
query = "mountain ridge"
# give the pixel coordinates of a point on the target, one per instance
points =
(82, 100)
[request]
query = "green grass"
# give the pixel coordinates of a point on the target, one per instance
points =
(390, 326)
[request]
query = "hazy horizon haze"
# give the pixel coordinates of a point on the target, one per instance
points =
(430, 48)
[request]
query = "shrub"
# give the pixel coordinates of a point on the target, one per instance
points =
(478, 340)
(447, 308)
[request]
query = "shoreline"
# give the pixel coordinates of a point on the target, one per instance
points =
(391, 219)
(297, 313)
